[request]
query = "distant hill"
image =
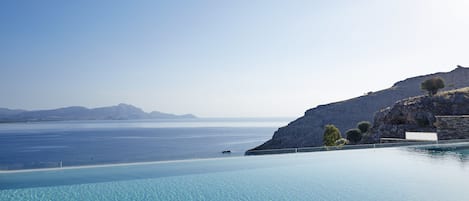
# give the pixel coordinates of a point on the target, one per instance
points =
(5, 112)
(118, 112)
(307, 130)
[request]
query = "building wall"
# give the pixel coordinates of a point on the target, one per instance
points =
(452, 127)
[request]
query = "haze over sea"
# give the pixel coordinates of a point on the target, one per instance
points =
(74, 143)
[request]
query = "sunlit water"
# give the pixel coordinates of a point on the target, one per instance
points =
(387, 174)
(72, 143)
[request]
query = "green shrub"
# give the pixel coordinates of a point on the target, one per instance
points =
(364, 126)
(331, 135)
(432, 85)
(354, 135)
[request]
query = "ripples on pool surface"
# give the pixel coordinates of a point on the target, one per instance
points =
(390, 174)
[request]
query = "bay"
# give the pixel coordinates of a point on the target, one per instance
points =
(76, 143)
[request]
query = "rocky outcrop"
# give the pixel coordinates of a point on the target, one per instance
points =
(418, 113)
(307, 130)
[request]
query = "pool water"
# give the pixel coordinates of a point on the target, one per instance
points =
(461, 149)
(388, 174)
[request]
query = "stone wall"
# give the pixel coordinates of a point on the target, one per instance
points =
(452, 127)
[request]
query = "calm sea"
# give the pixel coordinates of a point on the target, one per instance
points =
(72, 143)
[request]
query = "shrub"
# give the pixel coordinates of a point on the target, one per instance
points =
(354, 135)
(341, 142)
(364, 126)
(331, 135)
(432, 85)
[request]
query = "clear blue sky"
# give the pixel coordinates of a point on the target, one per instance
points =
(221, 58)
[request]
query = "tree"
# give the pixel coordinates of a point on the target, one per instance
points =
(364, 126)
(432, 85)
(331, 135)
(354, 135)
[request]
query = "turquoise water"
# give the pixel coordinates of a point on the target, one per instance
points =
(388, 174)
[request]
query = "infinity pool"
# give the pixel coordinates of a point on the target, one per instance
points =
(387, 174)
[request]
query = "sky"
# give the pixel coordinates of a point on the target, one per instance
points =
(212, 58)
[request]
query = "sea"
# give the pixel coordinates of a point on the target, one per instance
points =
(77, 143)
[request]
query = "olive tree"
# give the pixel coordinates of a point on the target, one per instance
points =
(432, 85)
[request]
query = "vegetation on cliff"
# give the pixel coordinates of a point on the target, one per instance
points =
(331, 135)
(354, 135)
(432, 85)
(364, 126)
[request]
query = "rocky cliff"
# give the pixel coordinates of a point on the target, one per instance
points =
(418, 113)
(308, 130)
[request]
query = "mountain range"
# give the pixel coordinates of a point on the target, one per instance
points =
(118, 112)
(307, 131)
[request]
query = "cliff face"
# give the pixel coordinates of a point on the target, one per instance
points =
(418, 113)
(308, 130)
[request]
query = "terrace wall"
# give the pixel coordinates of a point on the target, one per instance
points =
(452, 127)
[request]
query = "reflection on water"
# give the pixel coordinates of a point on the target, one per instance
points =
(458, 151)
